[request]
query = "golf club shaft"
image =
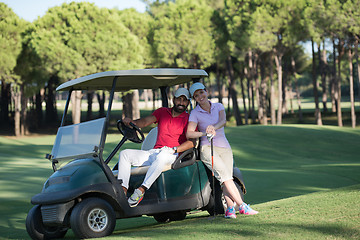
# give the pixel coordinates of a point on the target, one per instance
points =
(212, 171)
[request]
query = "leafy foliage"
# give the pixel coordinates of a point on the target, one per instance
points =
(11, 27)
(183, 34)
(77, 39)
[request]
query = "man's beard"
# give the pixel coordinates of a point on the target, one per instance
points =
(179, 110)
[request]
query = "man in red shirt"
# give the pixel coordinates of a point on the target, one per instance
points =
(171, 140)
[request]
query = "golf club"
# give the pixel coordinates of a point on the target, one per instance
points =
(210, 139)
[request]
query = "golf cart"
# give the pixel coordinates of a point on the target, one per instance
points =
(85, 195)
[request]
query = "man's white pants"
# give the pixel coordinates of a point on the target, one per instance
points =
(157, 159)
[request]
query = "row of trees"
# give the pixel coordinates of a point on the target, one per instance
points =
(252, 48)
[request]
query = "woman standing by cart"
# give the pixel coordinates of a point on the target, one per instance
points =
(210, 118)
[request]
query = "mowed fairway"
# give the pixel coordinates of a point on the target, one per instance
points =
(304, 180)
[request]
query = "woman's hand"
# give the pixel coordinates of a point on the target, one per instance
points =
(211, 130)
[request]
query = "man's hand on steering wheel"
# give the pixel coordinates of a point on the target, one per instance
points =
(127, 121)
(130, 130)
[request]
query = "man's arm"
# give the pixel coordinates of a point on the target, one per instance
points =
(186, 145)
(141, 122)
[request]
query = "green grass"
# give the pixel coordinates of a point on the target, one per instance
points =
(304, 180)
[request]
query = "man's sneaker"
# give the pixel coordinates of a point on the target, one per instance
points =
(135, 198)
(230, 212)
(247, 210)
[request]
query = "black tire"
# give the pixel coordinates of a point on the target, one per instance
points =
(162, 217)
(170, 216)
(38, 231)
(210, 207)
(92, 218)
(178, 215)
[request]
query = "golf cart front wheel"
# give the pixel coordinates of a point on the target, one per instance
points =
(37, 230)
(92, 218)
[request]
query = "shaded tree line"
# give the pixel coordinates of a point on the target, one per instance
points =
(253, 50)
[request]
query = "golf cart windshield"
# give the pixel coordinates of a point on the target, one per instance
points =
(78, 140)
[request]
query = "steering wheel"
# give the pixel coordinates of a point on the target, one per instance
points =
(131, 133)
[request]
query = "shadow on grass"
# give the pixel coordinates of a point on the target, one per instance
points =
(221, 228)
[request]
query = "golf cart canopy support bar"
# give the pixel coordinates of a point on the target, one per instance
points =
(103, 135)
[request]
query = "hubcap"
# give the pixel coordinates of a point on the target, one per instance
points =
(97, 220)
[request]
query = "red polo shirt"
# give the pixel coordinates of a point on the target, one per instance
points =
(171, 130)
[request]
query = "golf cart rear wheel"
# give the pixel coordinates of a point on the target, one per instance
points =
(162, 217)
(170, 216)
(178, 215)
(92, 218)
(37, 230)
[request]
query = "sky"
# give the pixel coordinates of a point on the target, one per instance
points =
(30, 10)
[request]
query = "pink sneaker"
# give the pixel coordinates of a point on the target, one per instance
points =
(230, 212)
(247, 210)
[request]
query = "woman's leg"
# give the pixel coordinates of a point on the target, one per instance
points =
(230, 190)
(221, 169)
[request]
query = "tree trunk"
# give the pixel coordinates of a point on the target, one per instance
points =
(272, 93)
(357, 68)
(351, 79)
(338, 85)
(246, 114)
(297, 89)
(50, 111)
(38, 109)
(284, 107)
(323, 67)
(128, 106)
(316, 98)
(101, 100)
(5, 102)
(333, 81)
(219, 84)
(257, 83)
(249, 96)
(154, 99)
(24, 129)
(278, 62)
(233, 92)
(262, 113)
(252, 101)
(17, 103)
(76, 106)
(89, 97)
(252, 79)
(135, 105)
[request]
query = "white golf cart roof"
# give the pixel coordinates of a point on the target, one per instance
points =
(133, 79)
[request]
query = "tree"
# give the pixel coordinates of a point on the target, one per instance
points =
(180, 41)
(77, 39)
(352, 15)
(237, 15)
(224, 61)
(139, 24)
(10, 41)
